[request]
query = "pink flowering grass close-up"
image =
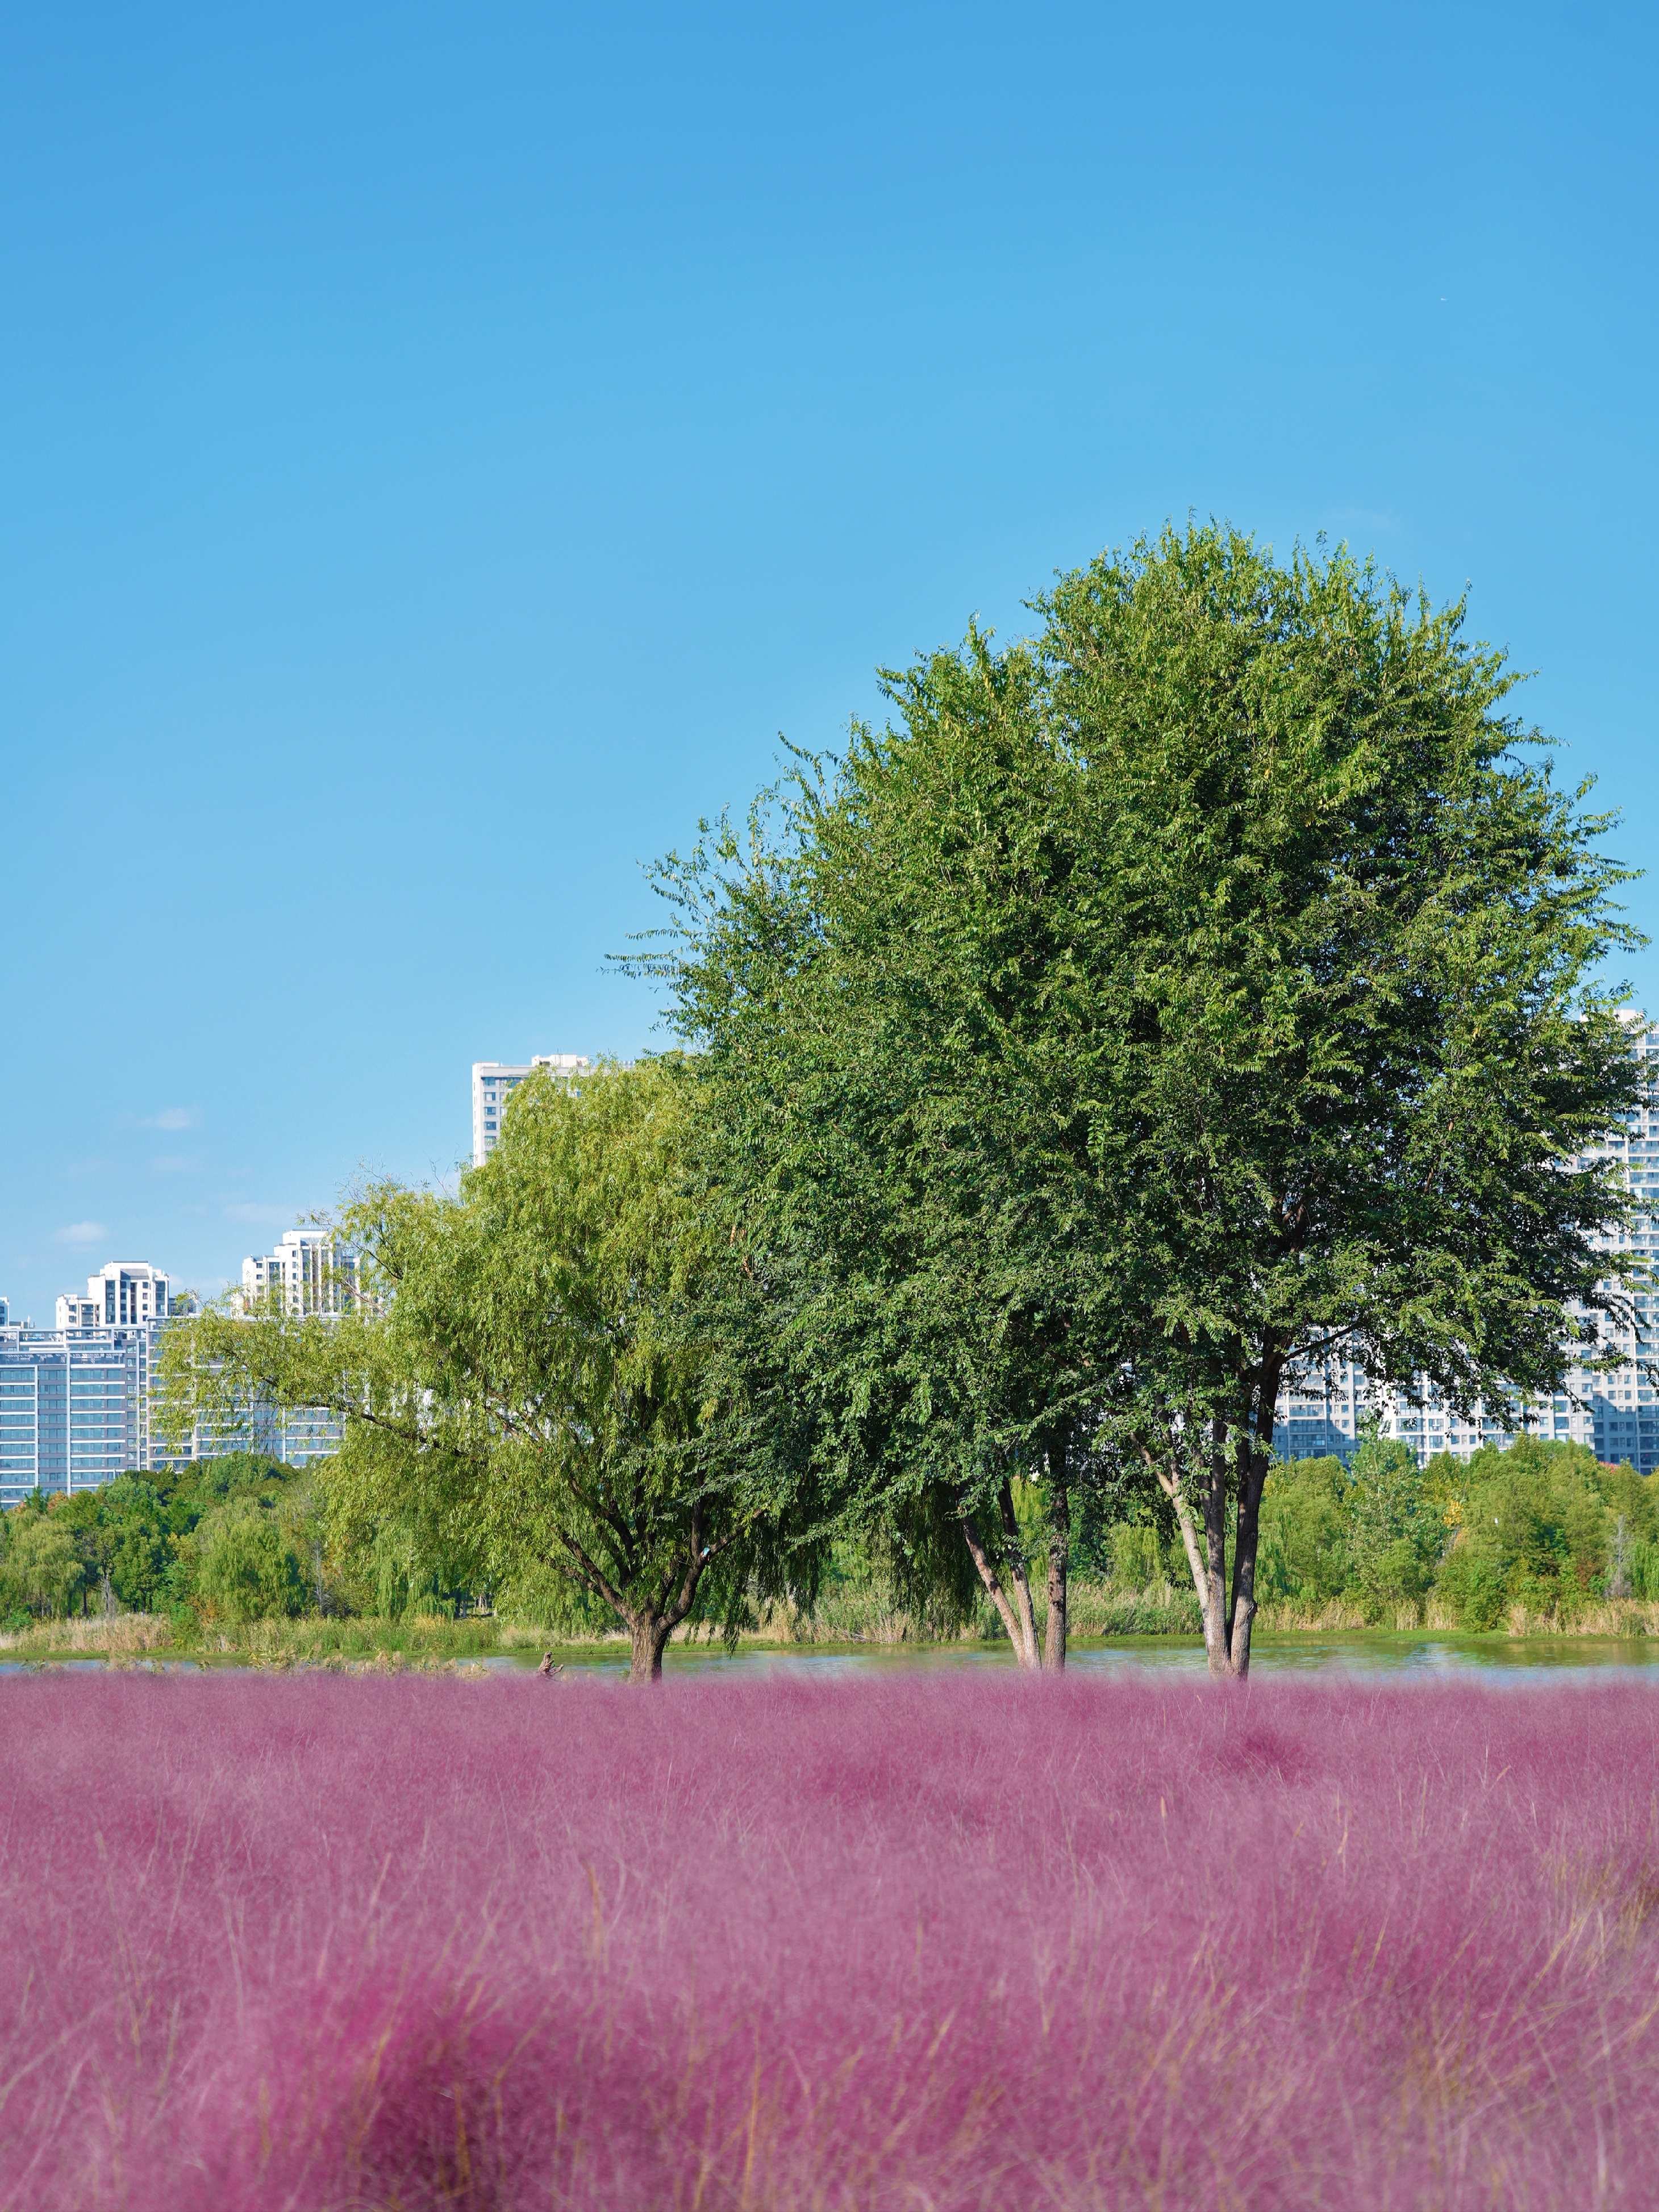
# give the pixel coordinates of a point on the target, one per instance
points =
(933, 1942)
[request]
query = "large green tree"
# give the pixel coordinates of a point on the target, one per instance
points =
(531, 1386)
(1201, 990)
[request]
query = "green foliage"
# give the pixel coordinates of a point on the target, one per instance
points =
(244, 1570)
(1136, 1554)
(1535, 1525)
(140, 1553)
(538, 1385)
(1628, 1496)
(1534, 1530)
(39, 1574)
(1394, 1536)
(1642, 1568)
(1373, 1532)
(1304, 1557)
(123, 1537)
(132, 1544)
(1152, 1004)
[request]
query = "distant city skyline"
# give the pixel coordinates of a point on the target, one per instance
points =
(106, 1343)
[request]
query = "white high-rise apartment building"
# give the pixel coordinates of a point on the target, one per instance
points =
(494, 1082)
(121, 1295)
(311, 1273)
(75, 1400)
(1614, 1412)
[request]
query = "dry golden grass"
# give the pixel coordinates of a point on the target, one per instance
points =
(106, 1635)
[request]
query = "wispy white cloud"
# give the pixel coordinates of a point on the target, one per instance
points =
(172, 1117)
(282, 1215)
(93, 1167)
(82, 1232)
(177, 1164)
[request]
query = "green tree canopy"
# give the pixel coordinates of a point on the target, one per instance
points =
(40, 1572)
(1199, 991)
(531, 1386)
(243, 1569)
(1533, 1527)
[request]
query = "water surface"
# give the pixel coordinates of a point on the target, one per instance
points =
(1424, 1656)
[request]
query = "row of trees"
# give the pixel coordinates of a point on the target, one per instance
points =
(1202, 986)
(1543, 1526)
(235, 1538)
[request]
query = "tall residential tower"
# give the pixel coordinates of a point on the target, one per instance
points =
(494, 1082)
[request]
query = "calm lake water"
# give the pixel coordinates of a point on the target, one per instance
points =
(1422, 1658)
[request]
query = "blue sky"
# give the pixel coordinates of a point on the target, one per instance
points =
(440, 449)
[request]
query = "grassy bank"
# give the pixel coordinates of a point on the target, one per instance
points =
(428, 1643)
(415, 1641)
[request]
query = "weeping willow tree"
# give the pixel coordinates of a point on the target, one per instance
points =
(536, 1378)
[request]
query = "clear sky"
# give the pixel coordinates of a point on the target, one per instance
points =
(440, 448)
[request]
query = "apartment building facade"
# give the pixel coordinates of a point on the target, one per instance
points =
(75, 1406)
(77, 1401)
(494, 1082)
(307, 1273)
(123, 1294)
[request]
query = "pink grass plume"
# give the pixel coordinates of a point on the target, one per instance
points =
(318, 1945)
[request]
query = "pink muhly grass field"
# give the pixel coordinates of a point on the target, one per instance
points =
(940, 1942)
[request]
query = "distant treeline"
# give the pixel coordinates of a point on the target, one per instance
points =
(1542, 1525)
(240, 1535)
(1539, 1525)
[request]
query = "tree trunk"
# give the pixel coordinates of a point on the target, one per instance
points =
(1016, 1613)
(993, 1586)
(1241, 1610)
(648, 1634)
(1254, 1455)
(1060, 1551)
(1213, 1597)
(652, 1619)
(1028, 1649)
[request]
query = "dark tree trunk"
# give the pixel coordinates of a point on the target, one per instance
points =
(650, 1619)
(1249, 1470)
(648, 1634)
(1060, 1549)
(1215, 1553)
(1252, 1456)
